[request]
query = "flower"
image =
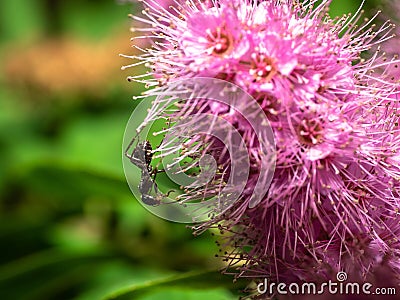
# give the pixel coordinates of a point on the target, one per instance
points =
(335, 122)
(212, 40)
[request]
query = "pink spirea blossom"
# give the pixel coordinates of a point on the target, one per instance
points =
(333, 203)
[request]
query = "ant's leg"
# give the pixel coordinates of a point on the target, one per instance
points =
(134, 139)
(153, 175)
(169, 192)
(155, 171)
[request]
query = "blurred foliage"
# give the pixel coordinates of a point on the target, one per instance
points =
(69, 226)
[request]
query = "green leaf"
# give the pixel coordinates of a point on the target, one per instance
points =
(191, 280)
(47, 273)
(116, 275)
(72, 181)
(179, 294)
(44, 259)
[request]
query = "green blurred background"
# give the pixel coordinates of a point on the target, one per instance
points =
(69, 226)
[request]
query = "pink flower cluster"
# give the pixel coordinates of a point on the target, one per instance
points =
(334, 201)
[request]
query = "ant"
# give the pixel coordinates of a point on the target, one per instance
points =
(141, 157)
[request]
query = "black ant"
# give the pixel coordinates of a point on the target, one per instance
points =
(141, 157)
